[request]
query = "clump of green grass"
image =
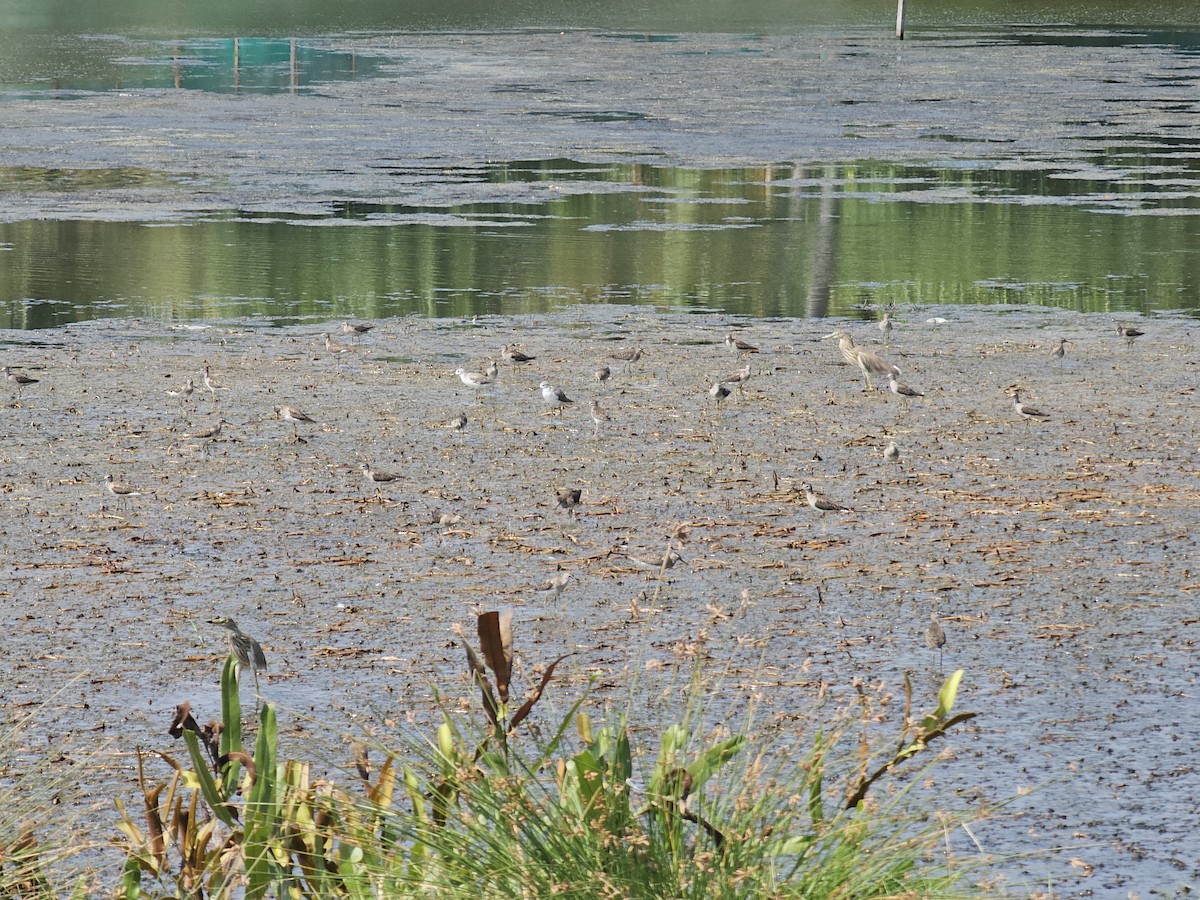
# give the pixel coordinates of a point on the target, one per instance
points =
(490, 809)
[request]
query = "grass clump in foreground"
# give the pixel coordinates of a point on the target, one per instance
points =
(487, 811)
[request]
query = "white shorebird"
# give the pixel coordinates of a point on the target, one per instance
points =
(473, 380)
(123, 492)
(868, 362)
(458, 423)
(599, 417)
(1025, 411)
(181, 394)
(554, 396)
(719, 392)
(294, 416)
(211, 384)
(891, 452)
(737, 345)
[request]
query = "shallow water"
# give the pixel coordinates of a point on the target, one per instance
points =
(475, 173)
(1055, 554)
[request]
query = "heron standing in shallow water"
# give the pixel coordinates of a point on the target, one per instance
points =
(245, 649)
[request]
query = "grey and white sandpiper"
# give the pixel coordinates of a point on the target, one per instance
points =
(122, 491)
(294, 416)
(821, 503)
(737, 345)
(377, 477)
(515, 354)
(599, 417)
(212, 384)
(1129, 333)
(552, 587)
(568, 499)
(629, 357)
(901, 390)
(1059, 353)
(1025, 411)
(738, 378)
(182, 393)
(554, 397)
(20, 380)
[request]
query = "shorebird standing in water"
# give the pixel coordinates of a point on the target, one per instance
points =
(902, 390)
(355, 329)
(739, 378)
(935, 637)
(821, 503)
(553, 587)
(554, 396)
(599, 417)
(378, 478)
(293, 416)
(891, 452)
(19, 380)
(123, 492)
(1059, 353)
(603, 374)
(629, 357)
(568, 499)
(514, 354)
(737, 345)
(473, 380)
(1025, 411)
(885, 325)
(208, 435)
(1129, 333)
(212, 385)
(181, 394)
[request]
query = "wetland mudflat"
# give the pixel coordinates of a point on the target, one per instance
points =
(1058, 555)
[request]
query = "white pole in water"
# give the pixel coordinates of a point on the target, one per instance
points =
(900, 19)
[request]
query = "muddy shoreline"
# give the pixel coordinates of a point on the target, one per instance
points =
(1055, 553)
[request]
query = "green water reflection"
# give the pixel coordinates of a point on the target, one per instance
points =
(274, 17)
(782, 241)
(88, 63)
